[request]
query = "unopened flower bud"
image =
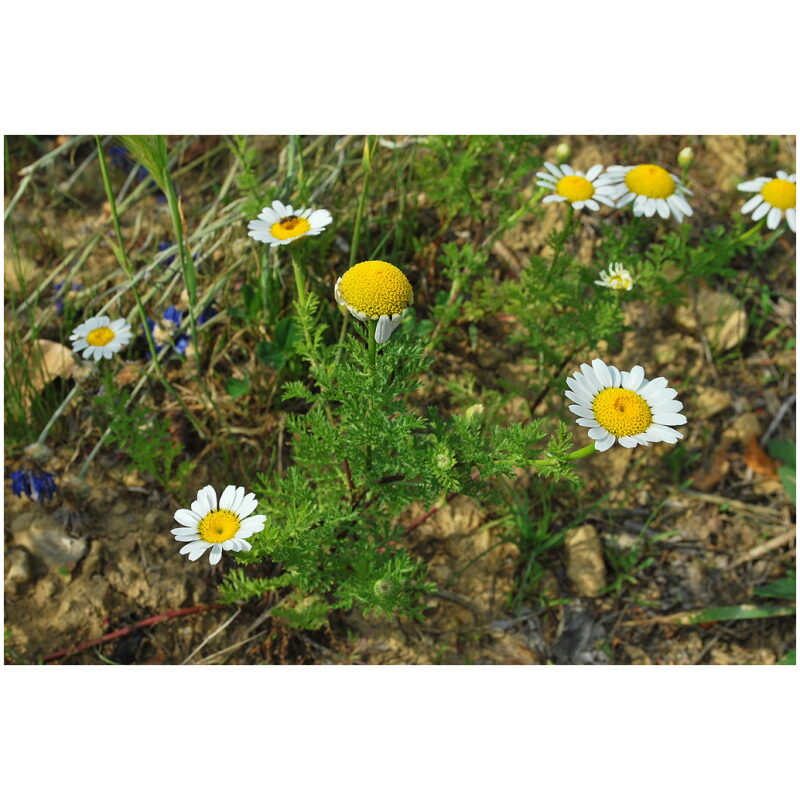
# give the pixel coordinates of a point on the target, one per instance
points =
(563, 152)
(382, 587)
(474, 411)
(686, 158)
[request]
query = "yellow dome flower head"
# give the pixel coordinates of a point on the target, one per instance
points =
(375, 290)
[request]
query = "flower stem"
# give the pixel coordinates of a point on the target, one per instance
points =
(750, 231)
(366, 165)
(372, 344)
(573, 456)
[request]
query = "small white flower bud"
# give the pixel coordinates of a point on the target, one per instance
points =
(686, 158)
(563, 152)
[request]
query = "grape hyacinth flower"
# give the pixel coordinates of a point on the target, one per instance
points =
(37, 484)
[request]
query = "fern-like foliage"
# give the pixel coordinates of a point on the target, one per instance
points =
(362, 454)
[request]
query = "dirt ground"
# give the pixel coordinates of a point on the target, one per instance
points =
(103, 561)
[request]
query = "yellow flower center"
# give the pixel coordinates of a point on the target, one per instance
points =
(651, 181)
(622, 412)
(376, 288)
(780, 193)
(218, 526)
(290, 227)
(574, 188)
(100, 336)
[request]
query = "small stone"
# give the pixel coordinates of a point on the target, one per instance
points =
(38, 532)
(19, 565)
(744, 427)
(722, 317)
(585, 565)
(711, 401)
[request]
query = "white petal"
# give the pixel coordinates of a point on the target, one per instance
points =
(598, 433)
(683, 205)
(761, 211)
(633, 379)
(247, 506)
(554, 170)
(602, 445)
(581, 411)
(592, 204)
(791, 218)
(228, 496)
(602, 372)
(668, 418)
(628, 441)
(180, 531)
(580, 397)
(186, 517)
(591, 378)
(649, 210)
(652, 387)
(320, 218)
(625, 199)
(669, 405)
(567, 169)
(774, 218)
(383, 330)
(216, 554)
(187, 537)
(662, 208)
(751, 203)
(593, 172)
(587, 423)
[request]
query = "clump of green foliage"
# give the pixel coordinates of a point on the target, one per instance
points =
(362, 455)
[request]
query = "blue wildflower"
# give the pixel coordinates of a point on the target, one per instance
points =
(165, 246)
(206, 314)
(36, 483)
(59, 293)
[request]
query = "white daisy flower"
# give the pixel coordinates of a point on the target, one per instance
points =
(220, 526)
(282, 224)
(617, 278)
(375, 290)
(776, 197)
(99, 337)
(624, 406)
(652, 189)
(574, 187)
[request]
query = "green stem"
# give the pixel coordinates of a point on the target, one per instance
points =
(122, 256)
(574, 456)
(58, 412)
(563, 236)
(750, 231)
(372, 345)
(356, 240)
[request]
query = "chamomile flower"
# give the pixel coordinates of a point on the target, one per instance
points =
(775, 197)
(624, 406)
(99, 337)
(218, 526)
(282, 224)
(576, 188)
(617, 278)
(375, 290)
(652, 189)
